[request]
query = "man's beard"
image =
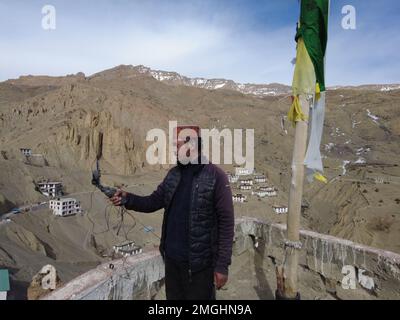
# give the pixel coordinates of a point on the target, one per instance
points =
(194, 161)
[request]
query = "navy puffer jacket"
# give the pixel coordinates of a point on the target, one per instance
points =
(211, 216)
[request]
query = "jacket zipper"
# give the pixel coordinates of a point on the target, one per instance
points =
(167, 213)
(190, 227)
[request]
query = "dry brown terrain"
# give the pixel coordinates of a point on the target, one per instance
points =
(68, 120)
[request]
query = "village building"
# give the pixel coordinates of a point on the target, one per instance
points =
(247, 181)
(127, 249)
(233, 178)
(260, 179)
(382, 178)
(26, 152)
(4, 284)
(261, 194)
(280, 209)
(245, 187)
(65, 207)
(271, 193)
(243, 171)
(239, 198)
(50, 189)
(267, 189)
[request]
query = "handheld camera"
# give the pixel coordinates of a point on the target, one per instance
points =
(108, 191)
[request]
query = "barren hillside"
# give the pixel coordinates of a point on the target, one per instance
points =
(67, 121)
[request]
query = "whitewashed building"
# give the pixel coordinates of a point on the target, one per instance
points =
(271, 193)
(233, 178)
(26, 152)
(65, 207)
(4, 284)
(247, 181)
(261, 194)
(260, 179)
(245, 187)
(127, 249)
(50, 189)
(239, 198)
(280, 209)
(243, 171)
(267, 189)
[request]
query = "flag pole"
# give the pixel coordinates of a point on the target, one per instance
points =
(287, 275)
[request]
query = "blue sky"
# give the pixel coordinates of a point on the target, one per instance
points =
(244, 40)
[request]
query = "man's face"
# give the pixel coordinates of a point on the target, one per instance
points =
(187, 144)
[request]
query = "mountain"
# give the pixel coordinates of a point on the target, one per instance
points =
(371, 87)
(174, 78)
(259, 90)
(69, 121)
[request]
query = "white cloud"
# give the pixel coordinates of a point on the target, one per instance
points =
(194, 48)
(195, 39)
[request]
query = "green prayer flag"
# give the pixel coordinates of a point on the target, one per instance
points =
(313, 28)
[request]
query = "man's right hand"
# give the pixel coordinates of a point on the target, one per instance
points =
(117, 198)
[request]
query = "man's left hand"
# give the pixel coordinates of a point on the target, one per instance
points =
(220, 280)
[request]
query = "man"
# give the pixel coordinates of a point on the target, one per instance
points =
(198, 224)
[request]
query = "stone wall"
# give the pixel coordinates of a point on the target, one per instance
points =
(376, 272)
(135, 278)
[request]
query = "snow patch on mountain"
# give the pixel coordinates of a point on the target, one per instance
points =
(372, 116)
(174, 78)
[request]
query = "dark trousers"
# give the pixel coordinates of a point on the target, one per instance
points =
(179, 285)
